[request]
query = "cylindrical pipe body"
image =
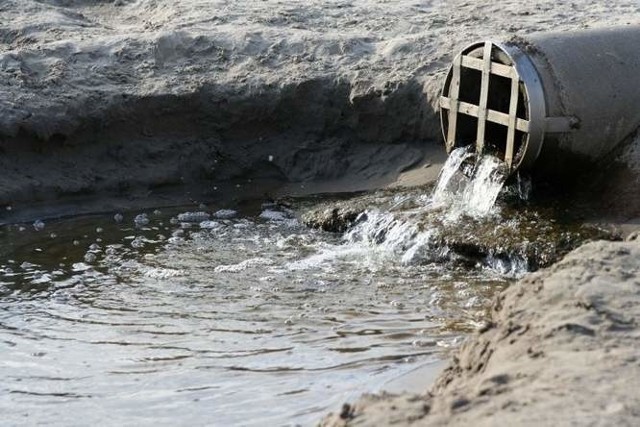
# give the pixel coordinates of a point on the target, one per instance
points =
(537, 99)
(594, 77)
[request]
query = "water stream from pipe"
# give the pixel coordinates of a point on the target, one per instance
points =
(465, 190)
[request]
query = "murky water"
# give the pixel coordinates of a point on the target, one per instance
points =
(247, 318)
(241, 321)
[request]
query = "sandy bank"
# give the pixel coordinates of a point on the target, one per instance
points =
(128, 98)
(562, 349)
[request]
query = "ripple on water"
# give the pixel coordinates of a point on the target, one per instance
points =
(246, 318)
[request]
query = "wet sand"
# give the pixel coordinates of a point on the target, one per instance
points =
(561, 349)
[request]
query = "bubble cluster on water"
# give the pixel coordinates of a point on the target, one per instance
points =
(225, 214)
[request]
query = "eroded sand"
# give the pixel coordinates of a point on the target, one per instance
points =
(126, 98)
(563, 348)
(129, 98)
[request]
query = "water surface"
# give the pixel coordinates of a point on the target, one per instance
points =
(197, 316)
(250, 320)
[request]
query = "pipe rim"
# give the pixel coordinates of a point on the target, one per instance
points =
(535, 105)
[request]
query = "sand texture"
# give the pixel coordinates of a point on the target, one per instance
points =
(124, 97)
(563, 348)
(127, 98)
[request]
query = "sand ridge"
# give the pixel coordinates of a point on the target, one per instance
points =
(123, 97)
(561, 349)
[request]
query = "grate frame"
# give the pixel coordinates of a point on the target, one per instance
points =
(509, 62)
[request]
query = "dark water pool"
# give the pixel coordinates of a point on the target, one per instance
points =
(185, 319)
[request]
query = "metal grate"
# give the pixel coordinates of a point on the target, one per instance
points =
(454, 106)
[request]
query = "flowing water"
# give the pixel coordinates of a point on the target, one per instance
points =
(235, 318)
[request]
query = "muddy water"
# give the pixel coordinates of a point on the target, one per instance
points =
(197, 316)
(250, 320)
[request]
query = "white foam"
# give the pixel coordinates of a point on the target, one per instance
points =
(272, 215)
(225, 214)
(235, 268)
(193, 216)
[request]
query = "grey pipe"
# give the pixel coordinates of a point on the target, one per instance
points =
(539, 100)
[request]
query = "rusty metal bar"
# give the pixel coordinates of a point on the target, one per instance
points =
(484, 96)
(513, 110)
(453, 106)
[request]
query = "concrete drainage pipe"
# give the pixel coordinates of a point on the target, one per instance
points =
(534, 101)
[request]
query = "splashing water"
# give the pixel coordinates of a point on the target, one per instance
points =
(452, 166)
(465, 194)
(418, 235)
(480, 194)
(470, 190)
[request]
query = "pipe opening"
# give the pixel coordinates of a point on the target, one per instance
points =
(485, 102)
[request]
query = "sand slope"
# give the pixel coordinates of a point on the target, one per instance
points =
(563, 349)
(130, 96)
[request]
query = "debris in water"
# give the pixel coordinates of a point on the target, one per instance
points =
(38, 225)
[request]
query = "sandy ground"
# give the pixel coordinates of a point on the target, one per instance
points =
(153, 100)
(563, 348)
(127, 98)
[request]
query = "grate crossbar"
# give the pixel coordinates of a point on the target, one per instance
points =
(451, 102)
